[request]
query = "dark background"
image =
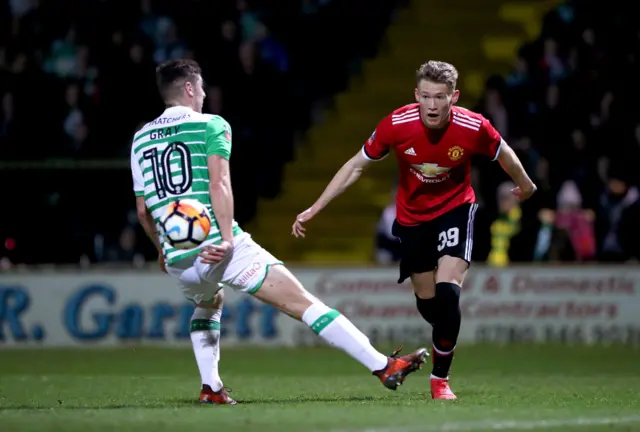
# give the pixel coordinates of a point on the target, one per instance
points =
(76, 81)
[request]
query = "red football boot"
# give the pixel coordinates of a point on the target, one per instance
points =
(440, 389)
(220, 397)
(398, 368)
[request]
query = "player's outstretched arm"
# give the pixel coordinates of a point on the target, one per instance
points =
(345, 177)
(146, 220)
(218, 140)
(221, 195)
(512, 166)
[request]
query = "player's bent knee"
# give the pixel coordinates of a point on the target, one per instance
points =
(215, 303)
(424, 284)
(282, 290)
(451, 269)
(448, 292)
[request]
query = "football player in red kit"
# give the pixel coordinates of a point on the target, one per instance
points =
(433, 141)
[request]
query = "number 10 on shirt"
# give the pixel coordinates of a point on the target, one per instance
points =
(164, 179)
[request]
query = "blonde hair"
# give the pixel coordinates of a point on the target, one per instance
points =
(438, 72)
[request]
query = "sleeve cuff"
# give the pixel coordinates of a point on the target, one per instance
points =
(498, 150)
(367, 157)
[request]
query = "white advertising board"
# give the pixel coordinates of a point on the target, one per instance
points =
(524, 304)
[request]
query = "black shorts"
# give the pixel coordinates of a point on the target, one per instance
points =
(423, 245)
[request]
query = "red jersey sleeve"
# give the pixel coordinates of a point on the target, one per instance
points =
(380, 141)
(489, 140)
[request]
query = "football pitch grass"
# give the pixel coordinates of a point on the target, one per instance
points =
(519, 387)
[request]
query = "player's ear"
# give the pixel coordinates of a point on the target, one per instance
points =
(189, 88)
(417, 95)
(455, 96)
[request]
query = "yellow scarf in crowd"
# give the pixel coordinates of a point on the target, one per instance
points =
(502, 230)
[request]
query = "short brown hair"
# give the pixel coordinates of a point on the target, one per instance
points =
(438, 72)
(175, 73)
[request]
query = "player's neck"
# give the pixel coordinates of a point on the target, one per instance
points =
(176, 104)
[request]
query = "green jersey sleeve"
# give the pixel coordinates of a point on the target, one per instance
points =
(138, 176)
(218, 137)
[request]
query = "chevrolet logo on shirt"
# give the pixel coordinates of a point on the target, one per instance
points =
(430, 169)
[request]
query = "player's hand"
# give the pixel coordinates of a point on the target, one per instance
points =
(162, 263)
(213, 254)
(524, 193)
(298, 229)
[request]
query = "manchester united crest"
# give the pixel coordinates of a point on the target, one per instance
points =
(455, 153)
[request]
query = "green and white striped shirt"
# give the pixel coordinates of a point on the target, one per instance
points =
(169, 162)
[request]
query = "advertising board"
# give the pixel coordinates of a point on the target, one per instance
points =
(524, 304)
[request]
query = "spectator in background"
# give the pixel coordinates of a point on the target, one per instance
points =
(168, 45)
(126, 250)
(564, 107)
(632, 154)
(552, 65)
(568, 101)
(80, 61)
(63, 57)
(552, 244)
(520, 95)
(85, 72)
(519, 77)
(387, 246)
(578, 164)
(214, 100)
(249, 21)
(495, 111)
(271, 50)
(20, 8)
(7, 122)
(505, 226)
(618, 218)
(74, 121)
(576, 221)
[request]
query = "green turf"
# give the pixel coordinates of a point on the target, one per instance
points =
(317, 389)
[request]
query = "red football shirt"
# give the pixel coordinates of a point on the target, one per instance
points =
(434, 164)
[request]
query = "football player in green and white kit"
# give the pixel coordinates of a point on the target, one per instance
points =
(185, 154)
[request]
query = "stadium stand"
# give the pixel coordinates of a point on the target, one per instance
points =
(566, 108)
(76, 80)
(386, 82)
(83, 72)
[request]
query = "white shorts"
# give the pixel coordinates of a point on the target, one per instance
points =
(245, 270)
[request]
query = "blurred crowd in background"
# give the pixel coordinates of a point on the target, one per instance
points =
(76, 81)
(567, 109)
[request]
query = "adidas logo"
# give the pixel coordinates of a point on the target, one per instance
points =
(410, 151)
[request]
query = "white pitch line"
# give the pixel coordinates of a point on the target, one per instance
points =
(497, 425)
